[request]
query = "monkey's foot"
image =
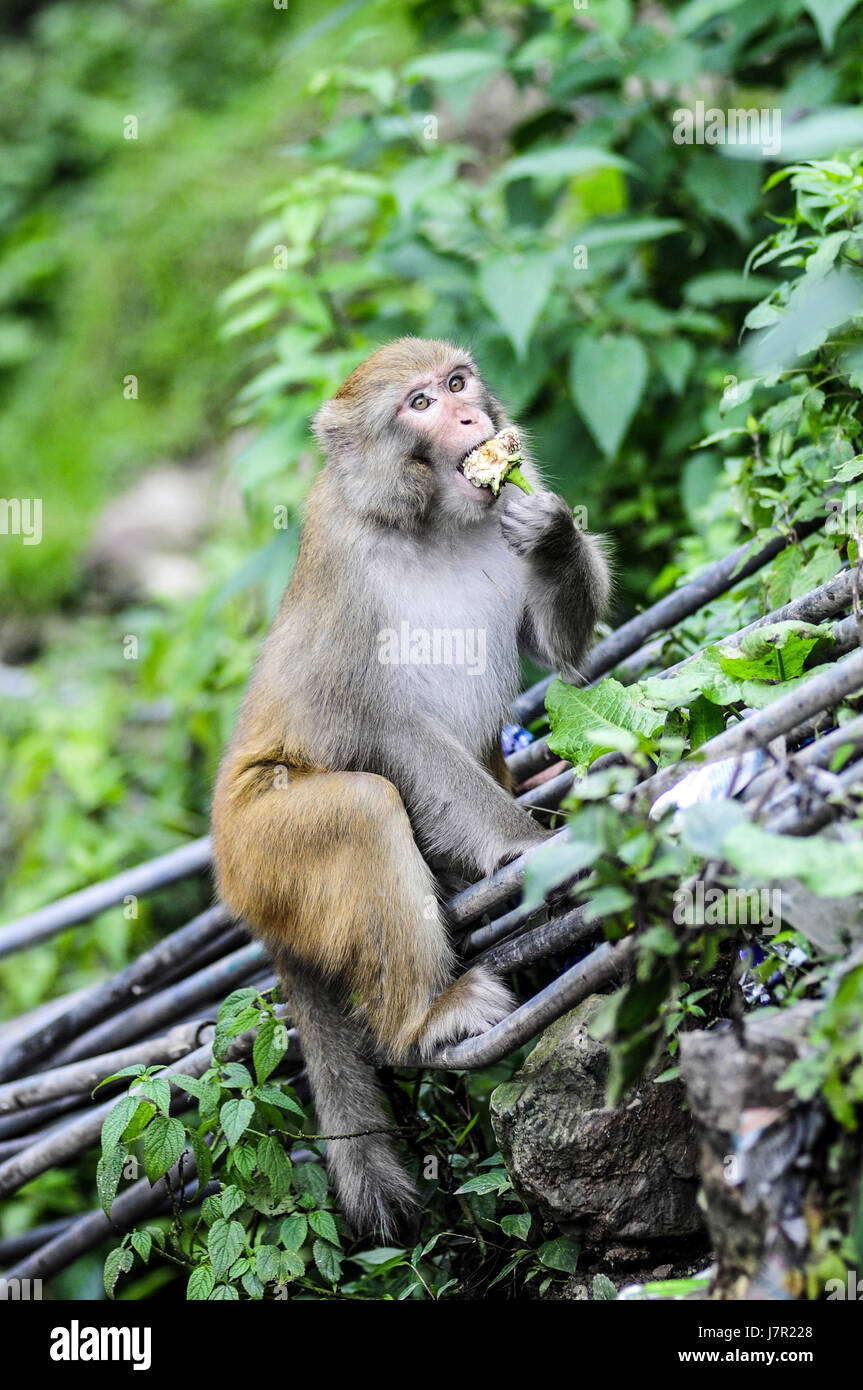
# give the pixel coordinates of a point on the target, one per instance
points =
(474, 1003)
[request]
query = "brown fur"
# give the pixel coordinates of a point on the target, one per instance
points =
(349, 785)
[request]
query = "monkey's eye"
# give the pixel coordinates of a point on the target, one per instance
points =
(421, 402)
(457, 382)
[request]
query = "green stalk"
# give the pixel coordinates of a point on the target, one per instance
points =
(516, 476)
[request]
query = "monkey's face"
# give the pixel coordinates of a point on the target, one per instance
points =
(398, 430)
(444, 415)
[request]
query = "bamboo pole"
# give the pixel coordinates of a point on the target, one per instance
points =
(107, 996)
(79, 907)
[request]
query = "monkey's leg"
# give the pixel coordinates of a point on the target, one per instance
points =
(461, 814)
(326, 867)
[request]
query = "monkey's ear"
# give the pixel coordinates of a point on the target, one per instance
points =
(325, 425)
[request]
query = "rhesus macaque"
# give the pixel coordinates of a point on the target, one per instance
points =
(367, 761)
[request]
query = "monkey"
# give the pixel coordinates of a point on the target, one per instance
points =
(355, 778)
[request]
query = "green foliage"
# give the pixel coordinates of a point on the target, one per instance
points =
(113, 248)
(834, 1069)
(272, 1230)
(797, 456)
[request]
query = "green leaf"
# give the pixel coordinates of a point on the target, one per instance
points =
(452, 65)
(274, 1162)
(828, 15)
(165, 1141)
(705, 722)
(561, 858)
(518, 1226)
(273, 1095)
(232, 1200)
(203, 1158)
(607, 377)
(703, 827)
(560, 1254)
(267, 1262)
(244, 1159)
(776, 651)
(497, 1181)
(115, 1122)
(291, 1266)
(211, 1208)
(635, 229)
(322, 1224)
(235, 1002)
(607, 901)
(676, 358)
(139, 1121)
(294, 1230)
(119, 1262)
(225, 1242)
(515, 289)
(109, 1171)
(310, 1184)
(252, 1284)
(560, 162)
(829, 867)
(270, 1046)
(236, 1076)
(701, 676)
(194, 1086)
(235, 1117)
(201, 1284)
(156, 1089)
(602, 1288)
(328, 1261)
(134, 1070)
(588, 722)
(224, 1293)
(727, 287)
(142, 1242)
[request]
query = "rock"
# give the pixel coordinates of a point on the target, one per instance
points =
(605, 1175)
(756, 1151)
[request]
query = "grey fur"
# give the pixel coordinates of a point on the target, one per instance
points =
(374, 1188)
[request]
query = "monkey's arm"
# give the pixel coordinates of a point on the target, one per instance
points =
(568, 580)
(458, 811)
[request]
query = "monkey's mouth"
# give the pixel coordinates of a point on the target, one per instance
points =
(484, 495)
(459, 468)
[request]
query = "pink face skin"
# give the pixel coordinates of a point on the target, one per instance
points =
(446, 413)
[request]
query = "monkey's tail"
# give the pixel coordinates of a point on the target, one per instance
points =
(375, 1191)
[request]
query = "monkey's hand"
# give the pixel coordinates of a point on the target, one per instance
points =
(538, 525)
(567, 585)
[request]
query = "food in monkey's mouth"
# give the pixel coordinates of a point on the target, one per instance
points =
(496, 462)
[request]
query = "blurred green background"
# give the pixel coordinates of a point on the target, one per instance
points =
(304, 184)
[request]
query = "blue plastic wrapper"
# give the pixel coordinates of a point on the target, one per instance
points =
(513, 736)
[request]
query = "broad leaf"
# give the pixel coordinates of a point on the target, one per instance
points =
(515, 289)
(586, 723)
(607, 376)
